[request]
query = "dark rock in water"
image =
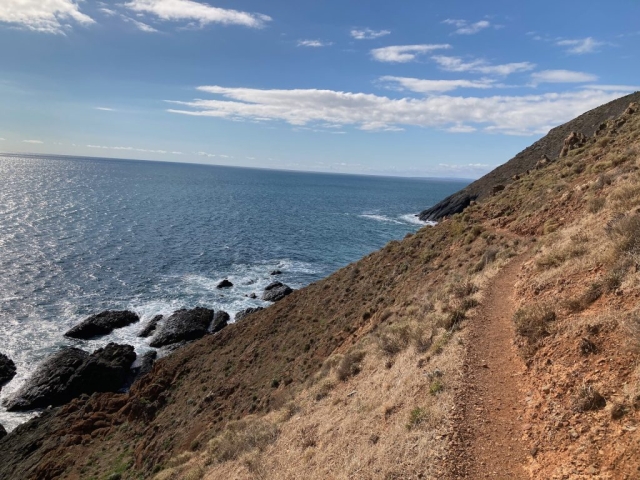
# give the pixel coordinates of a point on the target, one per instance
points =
(146, 362)
(3, 432)
(105, 370)
(7, 369)
(183, 325)
(48, 384)
(247, 311)
(252, 295)
(150, 327)
(225, 284)
(220, 320)
(276, 272)
(273, 285)
(276, 291)
(102, 324)
(72, 372)
(142, 365)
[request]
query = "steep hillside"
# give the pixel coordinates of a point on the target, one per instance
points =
(516, 321)
(550, 145)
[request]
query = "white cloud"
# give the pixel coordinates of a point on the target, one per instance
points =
(404, 53)
(313, 43)
(562, 76)
(35, 142)
(202, 13)
(368, 34)
(2, 139)
(461, 128)
(108, 12)
(49, 16)
(428, 86)
(143, 27)
(105, 109)
(205, 154)
(465, 28)
(518, 115)
(456, 64)
(133, 149)
(581, 46)
(614, 88)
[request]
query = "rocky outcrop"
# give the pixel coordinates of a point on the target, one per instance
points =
(150, 327)
(102, 324)
(246, 312)
(183, 325)
(224, 284)
(551, 145)
(276, 292)
(3, 432)
(7, 369)
(573, 141)
(220, 321)
(276, 272)
(73, 372)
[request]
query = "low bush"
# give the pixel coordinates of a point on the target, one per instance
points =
(588, 398)
(240, 437)
(394, 339)
(417, 417)
(350, 365)
(532, 322)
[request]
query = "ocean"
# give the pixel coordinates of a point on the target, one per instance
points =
(81, 235)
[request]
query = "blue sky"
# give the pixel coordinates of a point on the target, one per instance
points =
(424, 88)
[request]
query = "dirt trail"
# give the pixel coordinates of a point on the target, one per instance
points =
(487, 438)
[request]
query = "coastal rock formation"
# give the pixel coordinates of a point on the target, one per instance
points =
(225, 284)
(72, 372)
(183, 325)
(276, 272)
(220, 320)
(276, 291)
(150, 327)
(7, 369)
(3, 432)
(247, 311)
(102, 324)
(551, 145)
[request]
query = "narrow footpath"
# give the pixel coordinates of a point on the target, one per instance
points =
(487, 432)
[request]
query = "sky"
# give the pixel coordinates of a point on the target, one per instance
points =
(411, 88)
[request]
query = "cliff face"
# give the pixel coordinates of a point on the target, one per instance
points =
(550, 145)
(365, 373)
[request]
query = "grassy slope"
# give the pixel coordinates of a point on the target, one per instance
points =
(354, 376)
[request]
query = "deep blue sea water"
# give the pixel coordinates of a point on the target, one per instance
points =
(80, 235)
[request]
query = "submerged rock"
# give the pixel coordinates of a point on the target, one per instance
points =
(7, 369)
(276, 291)
(73, 372)
(225, 284)
(183, 325)
(220, 321)
(247, 311)
(276, 272)
(150, 327)
(102, 324)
